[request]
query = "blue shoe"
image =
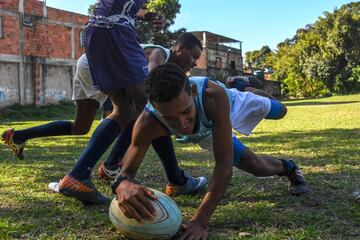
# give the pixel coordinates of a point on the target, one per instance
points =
(84, 191)
(191, 186)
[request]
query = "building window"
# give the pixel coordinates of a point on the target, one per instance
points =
(232, 65)
(1, 27)
(218, 62)
(82, 39)
(28, 21)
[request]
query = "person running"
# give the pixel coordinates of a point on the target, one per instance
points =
(87, 101)
(203, 111)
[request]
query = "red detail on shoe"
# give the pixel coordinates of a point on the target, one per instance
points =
(73, 184)
(8, 139)
(104, 173)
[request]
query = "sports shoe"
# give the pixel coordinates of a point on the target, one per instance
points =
(16, 148)
(108, 172)
(297, 183)
(356, 196)
(84, 191)
(191, 186)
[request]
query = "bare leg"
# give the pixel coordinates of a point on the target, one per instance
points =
(260, 166)
(122, 112)
(85, 114)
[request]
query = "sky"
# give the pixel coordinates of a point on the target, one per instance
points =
(254, 22)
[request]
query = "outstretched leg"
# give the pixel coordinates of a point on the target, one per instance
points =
(85, 114)
(263, 165)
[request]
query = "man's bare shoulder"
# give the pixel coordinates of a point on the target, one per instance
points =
(148, 126)
(215, 100)
(157, 53)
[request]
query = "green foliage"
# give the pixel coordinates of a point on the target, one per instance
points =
(169, 9)
(321, 57)
(91, 8)
(259, 58)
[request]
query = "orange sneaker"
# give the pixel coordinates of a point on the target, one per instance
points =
(16, 148)
(83, 191)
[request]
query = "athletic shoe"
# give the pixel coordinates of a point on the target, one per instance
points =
(107, 173)
(191, 186)
(84, 191)
(356, 196)
(16, 148)
(297, 183)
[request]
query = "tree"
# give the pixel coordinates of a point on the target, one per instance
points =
(259, 58)
(169, 9)
(322, 57)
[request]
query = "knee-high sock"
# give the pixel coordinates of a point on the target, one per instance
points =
(101, 139)
(121, 145)
(56, 128)
(165, 149)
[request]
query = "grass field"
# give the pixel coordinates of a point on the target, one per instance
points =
(322, 135)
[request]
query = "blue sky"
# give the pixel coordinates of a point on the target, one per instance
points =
(254, 22)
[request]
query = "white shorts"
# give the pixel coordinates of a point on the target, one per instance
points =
(83, 86)
(247, 111)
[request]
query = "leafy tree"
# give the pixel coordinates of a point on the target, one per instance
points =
(322, 57)
(167, 8)
(258, 58)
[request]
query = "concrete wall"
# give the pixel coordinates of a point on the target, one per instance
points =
(273, 88)
(38, 52)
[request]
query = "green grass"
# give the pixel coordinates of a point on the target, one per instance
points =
(322, 135)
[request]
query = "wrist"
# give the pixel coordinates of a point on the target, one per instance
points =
(119, 179)
(199, 222)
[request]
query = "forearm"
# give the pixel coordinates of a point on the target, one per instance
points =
(216, 191)
(132, 160)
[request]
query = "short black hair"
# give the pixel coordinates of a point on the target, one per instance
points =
(165, 83)
(189, 40)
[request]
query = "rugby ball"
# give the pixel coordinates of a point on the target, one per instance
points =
(164, 226)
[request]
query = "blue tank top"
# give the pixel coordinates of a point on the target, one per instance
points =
(203, 125)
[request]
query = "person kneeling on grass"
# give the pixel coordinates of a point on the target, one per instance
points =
(203, 111)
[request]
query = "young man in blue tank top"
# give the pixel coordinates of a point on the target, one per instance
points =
(199, 110)
(184, 53)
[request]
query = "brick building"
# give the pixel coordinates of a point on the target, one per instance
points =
(221, 56)
(39, 46)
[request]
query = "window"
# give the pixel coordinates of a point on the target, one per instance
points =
(218, 62)
(232, 65)
(1, 28)
(82, 39)
(28, 21)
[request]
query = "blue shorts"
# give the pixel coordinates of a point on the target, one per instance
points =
(115, 58)
(275, 110)
(238, 151)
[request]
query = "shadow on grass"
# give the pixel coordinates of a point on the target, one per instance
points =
(330, 211)
(330, 146)
(34, 217)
